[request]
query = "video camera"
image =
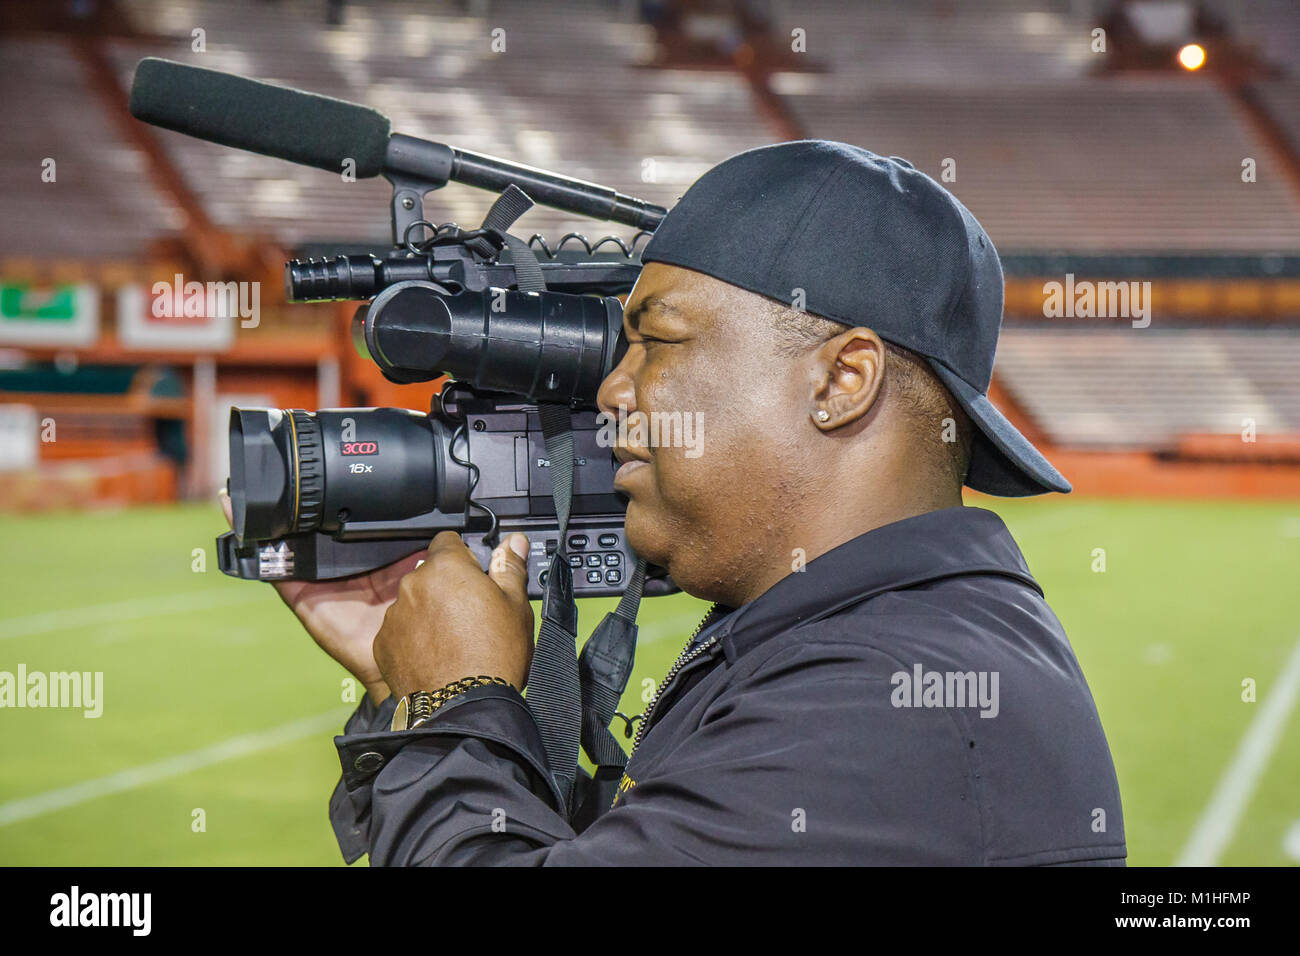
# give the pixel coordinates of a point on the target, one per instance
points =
(526, 341)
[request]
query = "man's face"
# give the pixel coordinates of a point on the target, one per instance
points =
(700, 351)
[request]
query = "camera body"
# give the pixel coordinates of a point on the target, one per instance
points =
(340, 492)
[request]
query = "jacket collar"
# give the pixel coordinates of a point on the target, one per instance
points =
(907, 553)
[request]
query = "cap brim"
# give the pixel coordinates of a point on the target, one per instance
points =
(1003, 462)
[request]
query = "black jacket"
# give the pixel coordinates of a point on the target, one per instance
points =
(907, 698)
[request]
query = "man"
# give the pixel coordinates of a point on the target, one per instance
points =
(882, 681)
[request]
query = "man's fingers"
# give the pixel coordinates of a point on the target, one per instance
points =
(226, 510)
(445, 541)
(447, 544)
(508, 566)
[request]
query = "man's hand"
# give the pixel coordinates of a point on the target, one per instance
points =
(343, 617)
(451, 620)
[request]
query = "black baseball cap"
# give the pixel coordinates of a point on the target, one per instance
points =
(870, 241)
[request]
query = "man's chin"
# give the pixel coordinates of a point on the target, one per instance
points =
(647, 535)
(644, 535)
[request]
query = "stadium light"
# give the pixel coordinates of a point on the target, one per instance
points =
(1192, 56)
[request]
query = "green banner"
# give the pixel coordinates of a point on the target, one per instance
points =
(48, 315)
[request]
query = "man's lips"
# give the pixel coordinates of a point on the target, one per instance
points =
(624, 455)
(628, 468)
(628, 463)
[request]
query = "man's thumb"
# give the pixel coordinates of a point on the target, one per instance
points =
(509, 566)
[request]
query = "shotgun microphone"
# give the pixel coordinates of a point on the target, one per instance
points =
(324, 133)
(304, 128)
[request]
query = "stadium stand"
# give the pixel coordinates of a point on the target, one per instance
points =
(104, 205)
(1120, 388)
(1089, 166)
(1076, 162)
(936, 44)
(1047, 156)
(1271, 26)
(431, 70)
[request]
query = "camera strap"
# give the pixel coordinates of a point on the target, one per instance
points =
(572, 699)
(554, 694)
(509, 206)
(603, 669)
(554, 685)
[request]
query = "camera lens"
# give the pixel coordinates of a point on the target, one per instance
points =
(276, 475)
(259, 473)
(293, 471)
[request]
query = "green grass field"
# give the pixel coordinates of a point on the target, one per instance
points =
(214, 700)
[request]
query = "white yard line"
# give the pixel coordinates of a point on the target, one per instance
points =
(65, 619)
(1213, 831)
(676, 627)
(134, 777)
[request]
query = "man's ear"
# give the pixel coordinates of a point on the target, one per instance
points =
(848, 372)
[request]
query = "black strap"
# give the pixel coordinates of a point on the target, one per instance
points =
(603, 670)
(572, 700)
(553, 684)
(509, 206)
(557, 431)
(528, 271)
(554, 688)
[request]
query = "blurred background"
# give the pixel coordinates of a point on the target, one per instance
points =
(1154, 142)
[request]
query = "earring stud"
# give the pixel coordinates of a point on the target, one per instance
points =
(823, 415)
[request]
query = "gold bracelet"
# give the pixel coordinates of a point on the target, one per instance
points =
(417, 707)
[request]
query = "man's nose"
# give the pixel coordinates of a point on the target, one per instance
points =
(616, 391)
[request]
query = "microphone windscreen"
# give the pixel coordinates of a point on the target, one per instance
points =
(263, 118)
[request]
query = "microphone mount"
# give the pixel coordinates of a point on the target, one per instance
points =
(416, 166)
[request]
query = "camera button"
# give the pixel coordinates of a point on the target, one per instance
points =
(613, 560)
(608, 541)
(575, 560)
(613, 576)
(577, 541)
(593, 577)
